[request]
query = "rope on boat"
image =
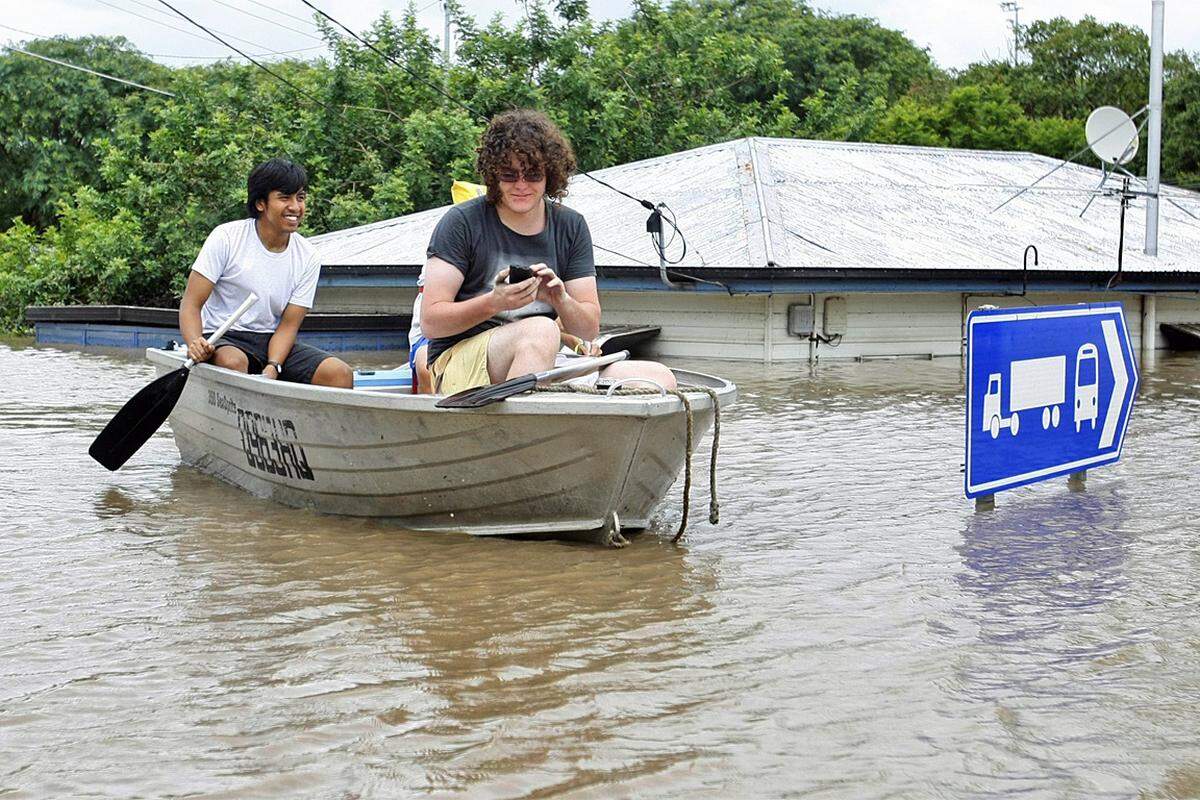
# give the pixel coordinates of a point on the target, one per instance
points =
(714, 508)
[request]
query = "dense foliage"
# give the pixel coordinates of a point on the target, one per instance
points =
(107, 191)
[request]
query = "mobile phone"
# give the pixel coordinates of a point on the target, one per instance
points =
(517, 273)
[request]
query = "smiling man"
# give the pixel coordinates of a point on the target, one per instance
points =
(482, 328)
(262, 254)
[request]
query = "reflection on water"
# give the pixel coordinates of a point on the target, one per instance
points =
(1046, 556)
(852, 629)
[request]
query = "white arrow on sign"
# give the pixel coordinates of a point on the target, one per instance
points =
(1120, 382)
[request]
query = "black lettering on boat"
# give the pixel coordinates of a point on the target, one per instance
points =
(223, 403)
(272, 445)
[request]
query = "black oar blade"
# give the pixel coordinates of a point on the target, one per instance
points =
(137, 420)
(486, 395)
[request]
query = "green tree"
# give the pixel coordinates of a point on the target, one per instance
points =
(51, 117)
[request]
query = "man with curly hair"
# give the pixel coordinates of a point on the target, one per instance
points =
(483, 329)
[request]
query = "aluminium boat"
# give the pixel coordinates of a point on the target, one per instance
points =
(539, 463)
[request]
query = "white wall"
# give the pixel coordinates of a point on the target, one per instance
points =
(365, 299)
(694, 324)
(754, 327)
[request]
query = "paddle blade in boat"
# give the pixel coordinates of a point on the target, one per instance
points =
(137, 420)
(486, 395)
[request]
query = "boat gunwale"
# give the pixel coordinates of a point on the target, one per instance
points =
(536, 403)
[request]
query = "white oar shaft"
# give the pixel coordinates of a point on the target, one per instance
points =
(225, 326)
(581, 366)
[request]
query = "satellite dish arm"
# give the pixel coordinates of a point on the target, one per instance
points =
(1064, 162)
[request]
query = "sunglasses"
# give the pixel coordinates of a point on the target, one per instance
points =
(513, 175)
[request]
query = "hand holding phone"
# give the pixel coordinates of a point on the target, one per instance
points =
(517, 273)
(515, 289)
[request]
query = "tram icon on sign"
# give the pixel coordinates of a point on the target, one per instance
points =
(1041, 384)
(1087, 385)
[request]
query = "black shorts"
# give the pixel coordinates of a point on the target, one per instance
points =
(298, 367)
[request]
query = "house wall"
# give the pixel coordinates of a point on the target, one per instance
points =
(365, 299)
(754, 327)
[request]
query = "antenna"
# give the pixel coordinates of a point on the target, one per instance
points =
(1114, 139)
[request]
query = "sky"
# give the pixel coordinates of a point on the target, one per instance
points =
(956, 32)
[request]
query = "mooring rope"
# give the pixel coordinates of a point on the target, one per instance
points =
(714, 509)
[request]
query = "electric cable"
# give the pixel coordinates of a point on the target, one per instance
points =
(289, 15)
(140, 52)
(152, 20)
(308, 95)
(268, 20)
(649, 206)
(89, 71)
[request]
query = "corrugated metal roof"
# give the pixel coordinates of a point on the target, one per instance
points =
(790, 203)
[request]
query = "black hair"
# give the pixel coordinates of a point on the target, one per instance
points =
(278, 174)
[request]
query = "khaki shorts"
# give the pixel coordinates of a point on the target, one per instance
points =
(463, 366)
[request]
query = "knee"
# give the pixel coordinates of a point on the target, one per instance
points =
(662, 375)
(334, 372)
(231, 358)
(540, 334)
(633, 371)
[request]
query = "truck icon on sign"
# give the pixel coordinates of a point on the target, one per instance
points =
(1033, 383)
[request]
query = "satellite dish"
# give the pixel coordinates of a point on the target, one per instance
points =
(1112, 135)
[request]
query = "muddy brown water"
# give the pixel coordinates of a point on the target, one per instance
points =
(853, 628)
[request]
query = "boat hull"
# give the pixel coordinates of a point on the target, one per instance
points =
(540, 463)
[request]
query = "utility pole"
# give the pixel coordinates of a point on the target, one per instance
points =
(1015, 10)
(1154, 126)
(446, 42)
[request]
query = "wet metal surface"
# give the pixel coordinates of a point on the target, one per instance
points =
(852, 628)
(758, 202)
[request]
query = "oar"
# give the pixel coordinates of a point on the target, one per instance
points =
(486, 395)
(138, 419)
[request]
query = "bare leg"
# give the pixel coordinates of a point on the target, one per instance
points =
(518, 348)
(230, 357)
(423, 376)
(650, 370)
(334, 372)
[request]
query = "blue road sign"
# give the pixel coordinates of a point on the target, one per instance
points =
(1049, 392)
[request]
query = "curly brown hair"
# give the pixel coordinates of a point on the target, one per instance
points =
(536, 142)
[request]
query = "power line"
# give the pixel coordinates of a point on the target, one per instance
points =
(396, 63)
(184, 31)
(282, 12)
(89, 71)
(27, 33)
(220, 58)
(311, 97)
(263, 67)
(48, 37)
(267, 19)
(644, 203)
(181, 30)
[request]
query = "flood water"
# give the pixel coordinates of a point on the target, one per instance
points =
(852, 628)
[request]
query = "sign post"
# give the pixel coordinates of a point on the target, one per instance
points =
(1049, 392)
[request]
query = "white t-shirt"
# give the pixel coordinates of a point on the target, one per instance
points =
(237, 262)
(414, 330)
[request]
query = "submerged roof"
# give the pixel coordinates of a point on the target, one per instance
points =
(792, 204)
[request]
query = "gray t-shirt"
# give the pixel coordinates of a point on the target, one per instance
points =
(472, 238)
